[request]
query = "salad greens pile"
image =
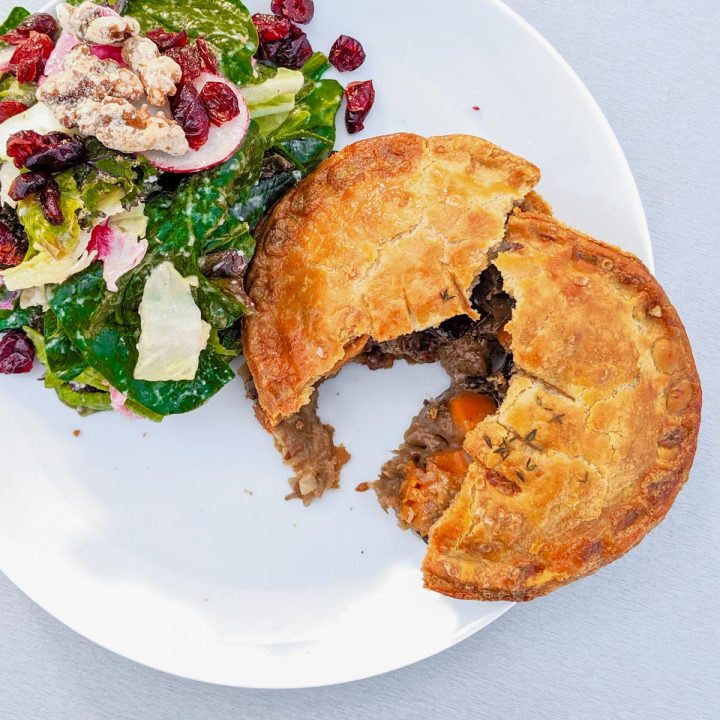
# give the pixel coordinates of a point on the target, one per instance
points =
(87, 335)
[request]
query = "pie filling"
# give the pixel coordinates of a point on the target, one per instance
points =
(425, 474)
(421, 480)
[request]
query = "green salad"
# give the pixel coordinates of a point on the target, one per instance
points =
(121, 269)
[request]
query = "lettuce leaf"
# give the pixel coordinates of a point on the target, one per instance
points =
(173, 333)
(105, 327)
(58, 240)
(44, 269)
(271, 101)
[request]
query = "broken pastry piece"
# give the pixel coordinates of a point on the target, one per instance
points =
(571, 418)
(386, 238)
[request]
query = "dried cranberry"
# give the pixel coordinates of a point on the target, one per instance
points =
(21, 145)
(189, 60)
(39, 22)
(220, 101)
(166, 40)
(360, 97)
(50, 201)
(8, 108)
(17, 353)
(28, 60)
(291, 50)
(207, 56)
(271, 28)
(60, 152)
(27, 184)
(299, 11)
(347, 54)
(13, 248)
(190, 112)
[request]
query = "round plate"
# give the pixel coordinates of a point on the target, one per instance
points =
(172, 544)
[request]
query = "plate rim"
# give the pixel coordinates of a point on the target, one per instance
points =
(472, 628)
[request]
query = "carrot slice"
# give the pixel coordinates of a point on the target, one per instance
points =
(453, 462)
(468, 409)
(504, 338)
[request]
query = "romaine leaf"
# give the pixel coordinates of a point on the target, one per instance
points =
(173, 333)
(11, 89)
(271, 101)
(58, 240)
(226, 25)
(43, 269)
(16, 16)
(84, 401)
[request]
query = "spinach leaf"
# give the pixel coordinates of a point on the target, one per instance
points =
(16, 319)
(16, 16)
(180, 222)
(226, 25)
(63, 359)
(307, 135)
(104, 327)
(278, 175)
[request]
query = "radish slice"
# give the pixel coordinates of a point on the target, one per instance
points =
(5, 57)
(223, 142)
(108, 52)
(56, 61)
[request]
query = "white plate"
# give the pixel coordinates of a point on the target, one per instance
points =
(172, 544)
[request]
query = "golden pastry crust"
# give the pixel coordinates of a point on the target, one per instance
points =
(596, 435)
(385, 238)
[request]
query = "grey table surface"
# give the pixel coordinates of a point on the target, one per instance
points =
(641, 639)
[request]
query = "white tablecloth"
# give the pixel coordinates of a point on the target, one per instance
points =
(641, 638)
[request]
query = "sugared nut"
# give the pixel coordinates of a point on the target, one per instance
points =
(97, 98)
(96, 25)
(159, 74)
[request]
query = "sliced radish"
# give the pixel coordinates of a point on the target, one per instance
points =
(108, 52)
(56, 61)
(223, 142)
(6, 54)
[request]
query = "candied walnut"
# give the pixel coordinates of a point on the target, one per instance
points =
(159, 74)
(119, 125)
(84, 77)
(96, 97)
(96, 25)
